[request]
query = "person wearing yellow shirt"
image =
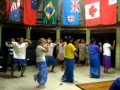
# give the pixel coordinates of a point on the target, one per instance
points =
(69, 54)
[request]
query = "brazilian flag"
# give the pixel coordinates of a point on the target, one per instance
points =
(50, 11)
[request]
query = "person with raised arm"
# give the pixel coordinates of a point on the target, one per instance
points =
(41, 76)
(19, 54)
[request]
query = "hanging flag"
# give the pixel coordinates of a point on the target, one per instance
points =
(1, 11)
(13, 0)
(119, 10)
(71, 12)
(30, 15)
(50, 8)
(35, 4)
(108, 12)
(15, 11)
(92, 12)
(7, 7)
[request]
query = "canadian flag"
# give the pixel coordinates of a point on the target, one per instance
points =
(108, 12)
(92, 12)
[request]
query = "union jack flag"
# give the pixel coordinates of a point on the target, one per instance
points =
(71, 12)
(75, 7)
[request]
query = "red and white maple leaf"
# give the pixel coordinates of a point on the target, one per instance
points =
(92, 10)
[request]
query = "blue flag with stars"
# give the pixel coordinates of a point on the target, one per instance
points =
(15, 11)
(35, 4)
(15, 15)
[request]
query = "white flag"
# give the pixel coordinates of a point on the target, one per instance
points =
(111, 2)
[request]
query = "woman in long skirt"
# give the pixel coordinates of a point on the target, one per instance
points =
(41, 76)
(94, 55)
(69, 59)
(107, 55)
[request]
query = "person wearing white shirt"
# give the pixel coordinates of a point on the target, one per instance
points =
(19, 55)
(9, 47)
(50, 59)
(107, 55)
(60, 55)
(41, 76)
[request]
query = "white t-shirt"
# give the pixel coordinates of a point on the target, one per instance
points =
(10, 47)
(40, 55)
(61, 48)
(50, 49)
(19, 50)
(106, 49)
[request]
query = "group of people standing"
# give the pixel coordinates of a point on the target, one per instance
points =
(94, 51)
(94, 56)
(67, 52)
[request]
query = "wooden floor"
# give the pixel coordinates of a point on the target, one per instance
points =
(104, 85)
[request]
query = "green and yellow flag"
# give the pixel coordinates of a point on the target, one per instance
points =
(119, 10)
(50, 9)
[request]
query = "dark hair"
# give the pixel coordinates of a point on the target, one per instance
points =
(69, 40)
(65, 38)
(107, 41)
(92, 41)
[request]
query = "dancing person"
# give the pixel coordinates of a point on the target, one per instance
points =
(50, 59)
(60, 55)
(76, 44)
(70, 49)
(9, 47)
(19, 54)
(82, 52)
(41, 76)
(107, 55)
(94, 55)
